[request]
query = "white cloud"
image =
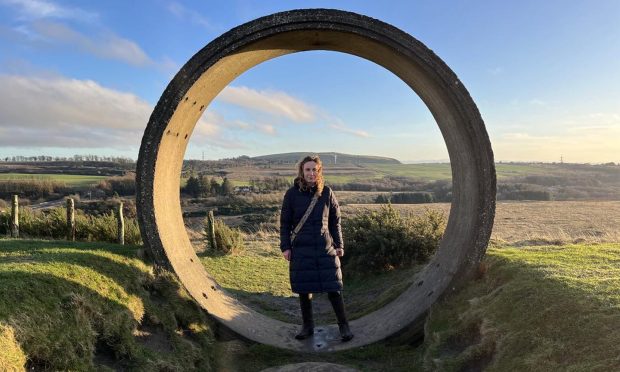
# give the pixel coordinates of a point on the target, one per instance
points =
(183, 13)
(267, 129)
(38, 9)
(496, 71)
(537, 102)
(69, 113)
(344, 129)
(591, 137)
(270, 102)
(107, 45)
(61, 112)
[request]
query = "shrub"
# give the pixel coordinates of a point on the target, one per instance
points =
(51, 224)
(31, 188)
(406, 198)
(227, 240)
(121, 185)
(384, 240)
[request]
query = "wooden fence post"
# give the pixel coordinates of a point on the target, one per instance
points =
(211, 230)
(15, 217)
(70, 220)
(121, 225)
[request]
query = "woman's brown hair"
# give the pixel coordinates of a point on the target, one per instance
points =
(301, 181)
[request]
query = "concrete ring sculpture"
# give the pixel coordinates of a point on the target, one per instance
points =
(216, 65)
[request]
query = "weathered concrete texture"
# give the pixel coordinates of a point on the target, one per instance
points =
(311, 367)
(217, 64)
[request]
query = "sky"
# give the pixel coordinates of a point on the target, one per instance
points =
(82, 77)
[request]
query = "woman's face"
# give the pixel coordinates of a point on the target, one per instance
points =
(311, 171)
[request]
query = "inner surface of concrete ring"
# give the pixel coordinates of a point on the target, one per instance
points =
(216, 65)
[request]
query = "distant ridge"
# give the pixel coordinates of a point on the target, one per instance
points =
(328, 158)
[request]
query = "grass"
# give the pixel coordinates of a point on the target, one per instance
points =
(548, 308)
(426, 172)
(86, 306)
(70, 180)
(544, 308)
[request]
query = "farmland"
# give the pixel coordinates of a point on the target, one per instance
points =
(70, 180)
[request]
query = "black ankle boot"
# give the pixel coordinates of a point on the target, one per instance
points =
(306, 314)
(306, 331)
(338, 304)
(345, 332)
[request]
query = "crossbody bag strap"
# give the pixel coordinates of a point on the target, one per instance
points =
(304, 218)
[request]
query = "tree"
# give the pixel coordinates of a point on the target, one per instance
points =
(193, 186)
(227, 187)
(205, 186)
(215, 187)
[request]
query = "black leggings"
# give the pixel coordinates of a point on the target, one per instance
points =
(305, 300)
(331, 295)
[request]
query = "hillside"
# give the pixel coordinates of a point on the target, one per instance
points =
(95, 306)
(328, 158)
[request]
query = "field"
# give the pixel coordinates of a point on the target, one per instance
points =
(541, 302)
(343, 173)
(70, 180)
(546, 297)
(540, 222)
(259, 276)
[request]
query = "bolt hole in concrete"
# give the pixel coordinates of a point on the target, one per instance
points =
(213, 68)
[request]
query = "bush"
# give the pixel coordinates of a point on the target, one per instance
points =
(227, 240)
(31, 188)
(384, 240)
(406, 198)
(121, 185)
(51, 224)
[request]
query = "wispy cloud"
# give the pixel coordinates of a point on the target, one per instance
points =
(344, 129)
(183, 13)
(537, 102)
(593, 137)
(46, 23)
(106, 45)
(62, 112)
(38, 9)
(57, 112)
(496, 71)
(271, 102)
(267, 129)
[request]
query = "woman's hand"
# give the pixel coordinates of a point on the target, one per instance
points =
(287, 254)
(339, 252)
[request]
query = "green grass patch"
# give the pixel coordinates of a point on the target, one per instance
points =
(85, 306)
(262, 281)
(71, 180)
(81, 306)
(426, 172)
(251, 274)
(550, 308)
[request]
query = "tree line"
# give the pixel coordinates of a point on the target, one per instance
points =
(203, 186)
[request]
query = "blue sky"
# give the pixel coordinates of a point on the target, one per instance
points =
(81, 77)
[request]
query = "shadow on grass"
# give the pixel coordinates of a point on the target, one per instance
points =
(63, 324)
(516, 317)
(362, 295)
(520, 317)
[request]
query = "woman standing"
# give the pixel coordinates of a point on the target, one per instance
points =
(311, 239)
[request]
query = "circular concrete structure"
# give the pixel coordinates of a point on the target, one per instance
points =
(216, 65)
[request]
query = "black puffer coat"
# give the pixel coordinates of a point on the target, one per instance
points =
(314, 266)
